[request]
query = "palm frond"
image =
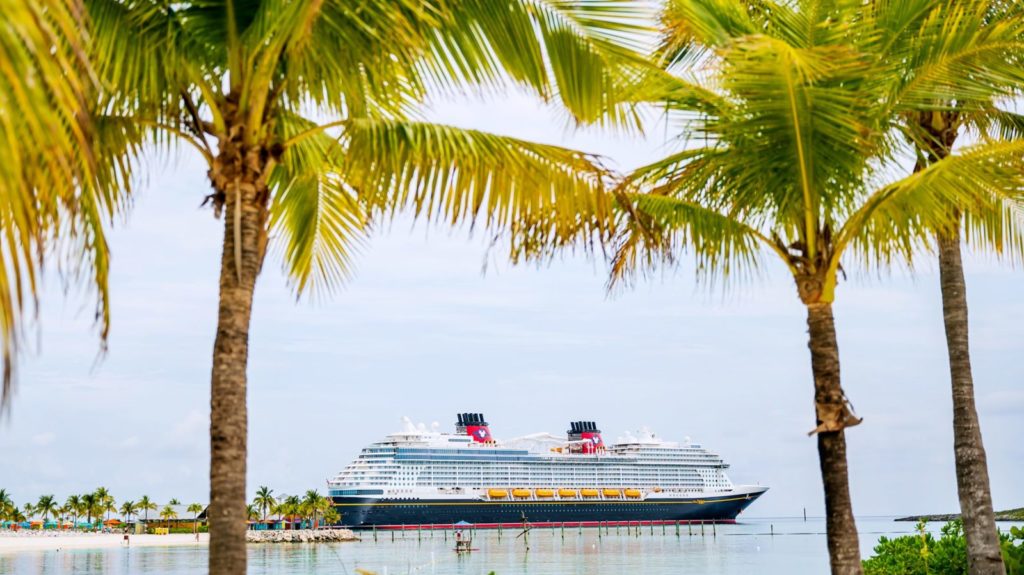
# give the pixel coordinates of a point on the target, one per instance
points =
(660, 228)
(58, 183)
(544, 196)
(983, 185)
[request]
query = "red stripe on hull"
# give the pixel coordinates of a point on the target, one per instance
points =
(549, 524)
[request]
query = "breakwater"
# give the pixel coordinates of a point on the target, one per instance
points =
(300, 536)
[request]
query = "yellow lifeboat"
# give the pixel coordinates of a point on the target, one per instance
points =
(521, 493)
(545, 492)
(612, 493)
(633, 493)
(497, 493)
(588, 492)
(567, 493)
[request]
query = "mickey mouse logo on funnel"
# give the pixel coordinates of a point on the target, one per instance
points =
(475, 426)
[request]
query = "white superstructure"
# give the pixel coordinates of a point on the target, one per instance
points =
(420, 464)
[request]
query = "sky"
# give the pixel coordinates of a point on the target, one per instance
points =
(434, 324)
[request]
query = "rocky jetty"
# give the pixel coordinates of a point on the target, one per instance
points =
(300, 536)
(1008, 515)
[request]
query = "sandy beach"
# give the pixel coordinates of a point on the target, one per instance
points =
(11, 542)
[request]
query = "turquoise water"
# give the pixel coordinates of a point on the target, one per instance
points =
(797, 547)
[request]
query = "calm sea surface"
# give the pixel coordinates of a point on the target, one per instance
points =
(797, 547)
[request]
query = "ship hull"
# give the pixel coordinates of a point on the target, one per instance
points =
(359, 512)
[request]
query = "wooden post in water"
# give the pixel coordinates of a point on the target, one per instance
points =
(579, 526)
(689, 528)
(445, 534)
(702, 528)
(663, 528)
(714, 530)
(805, 515)
(677, 528)
(419, 532)
(392, 535)
(773, 529)
(374, 533)
(563, 531)
(652, 527)
(617, 526)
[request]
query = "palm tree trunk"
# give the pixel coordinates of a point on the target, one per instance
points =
(971, 464)
(843, 542)
(236, 176)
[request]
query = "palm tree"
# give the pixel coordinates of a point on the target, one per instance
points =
(252, 512)
(29, 510)
(128, 508)
(174, 502)
(990, 35)
(264, 500)
(74, 504)
(780, 175)
(64, 511)
(233, 82)
(312, 504)
(91, 505)
(168, 513)
(105, 501)
(145, 505)
(288, 508)
(55, 181)
(46, 506)
(195, 509)
(6, 504)
(331, 516)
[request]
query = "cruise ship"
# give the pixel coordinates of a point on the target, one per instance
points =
(422, 479)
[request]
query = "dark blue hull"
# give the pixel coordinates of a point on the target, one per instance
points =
(370, 512)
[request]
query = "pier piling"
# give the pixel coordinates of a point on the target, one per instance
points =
(773, 529)
(374, 533)
(689, 528)
(677, 529)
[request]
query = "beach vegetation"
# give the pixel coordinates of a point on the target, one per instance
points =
(46, 506)
(790, 143)
(146, 505)
(129, 508)
(924, 554)
(264, 500)
(167, 514)
(195, 509)
(59, 180)
(305, 114)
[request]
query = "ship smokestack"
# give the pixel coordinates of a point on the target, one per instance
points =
(589, 436)
(475, 426)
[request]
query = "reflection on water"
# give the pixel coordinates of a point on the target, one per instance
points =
(796, 547)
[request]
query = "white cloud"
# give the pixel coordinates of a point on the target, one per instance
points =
(44, 439)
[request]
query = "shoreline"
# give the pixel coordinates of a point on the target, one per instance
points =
(58, 542)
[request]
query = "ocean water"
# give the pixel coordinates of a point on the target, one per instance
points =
(749, 547)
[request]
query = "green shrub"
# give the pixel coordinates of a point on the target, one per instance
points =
(923, 554)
